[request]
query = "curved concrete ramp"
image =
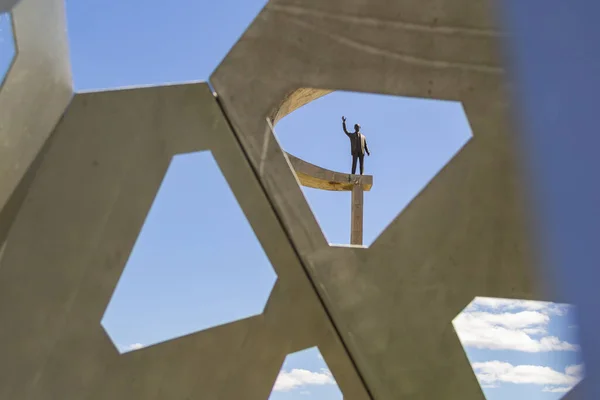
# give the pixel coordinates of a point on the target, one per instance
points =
(294, 100)
(316, 177)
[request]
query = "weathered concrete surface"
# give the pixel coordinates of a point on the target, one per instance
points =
(34, 95)
(316, 177)
(294, 100)
(356, 215)
(72, 237)
(463, 236)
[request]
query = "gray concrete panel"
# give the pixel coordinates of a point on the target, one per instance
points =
(34, 94)
(72, 237)
(465, 235)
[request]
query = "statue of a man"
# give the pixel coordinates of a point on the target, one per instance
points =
(358, 146)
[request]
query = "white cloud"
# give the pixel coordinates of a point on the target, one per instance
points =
(512, 304)
(560, 389)
(519, 320)
(575, 370)
(504, 324)
(288, 380)
(135, 346)
(489, 386)
(489, 324)
(495, 372)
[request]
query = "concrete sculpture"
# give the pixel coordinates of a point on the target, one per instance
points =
(75, 186)
(315, 177)
(40, 71)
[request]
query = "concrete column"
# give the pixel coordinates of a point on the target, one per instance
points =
(356, 228)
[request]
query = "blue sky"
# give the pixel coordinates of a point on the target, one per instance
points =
(175, 280)
(7, 46)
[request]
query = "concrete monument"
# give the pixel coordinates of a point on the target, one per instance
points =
(78, 173)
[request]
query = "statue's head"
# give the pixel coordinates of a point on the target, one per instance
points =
(356, 127)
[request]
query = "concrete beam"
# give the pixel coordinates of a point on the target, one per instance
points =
(356, 215)
(294, 100)
(316, 177)
(33, 97)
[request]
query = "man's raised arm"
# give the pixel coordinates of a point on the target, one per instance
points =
(344, 126)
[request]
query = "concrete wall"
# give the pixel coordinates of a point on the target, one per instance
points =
(73, 234)
(74, 195)
(33, 96)
(463, 236)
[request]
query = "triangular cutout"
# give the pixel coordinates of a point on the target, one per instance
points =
(305, 375)
(196, 263)
(521, 349)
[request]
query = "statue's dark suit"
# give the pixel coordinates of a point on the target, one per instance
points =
(358, 146)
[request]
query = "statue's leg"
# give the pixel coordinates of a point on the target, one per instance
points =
(361, 158)
(354, 164)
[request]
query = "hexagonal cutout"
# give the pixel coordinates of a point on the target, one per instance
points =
(521, 349)
(178, 41)
(7, 45)
(410, 141)
(305, 375)
(196, 263)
